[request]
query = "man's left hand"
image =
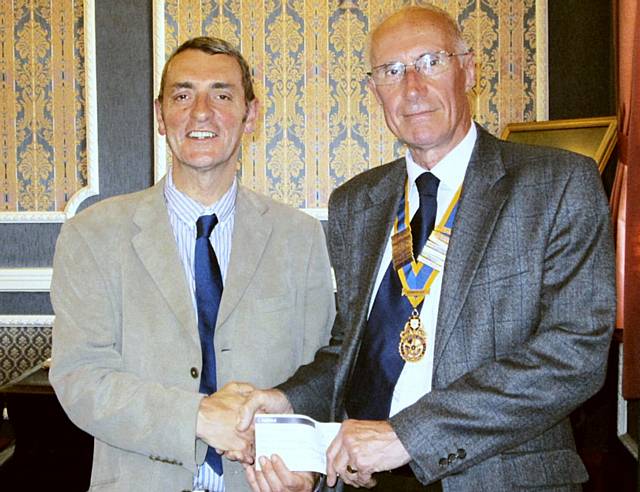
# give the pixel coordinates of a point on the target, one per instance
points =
(362, 448)
(276, 477)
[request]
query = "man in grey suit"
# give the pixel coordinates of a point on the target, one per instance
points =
(461, 358)
(141, 281)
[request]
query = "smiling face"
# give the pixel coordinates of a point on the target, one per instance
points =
(203, 112)
(431, 116)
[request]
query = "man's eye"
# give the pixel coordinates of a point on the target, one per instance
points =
(393, 71)
(430, 63)
(180, 97)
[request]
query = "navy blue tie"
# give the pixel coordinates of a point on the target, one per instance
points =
(208, 294)
(379, 363)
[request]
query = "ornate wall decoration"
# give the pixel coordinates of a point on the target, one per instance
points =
(320, 125)
(25, 344)
(48, 155)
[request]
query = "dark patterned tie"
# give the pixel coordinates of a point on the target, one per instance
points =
(379, 363)
(208, 294)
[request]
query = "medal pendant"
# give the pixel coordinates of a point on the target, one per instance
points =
(413, 339)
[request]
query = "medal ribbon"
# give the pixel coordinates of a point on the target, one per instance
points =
(416, 277)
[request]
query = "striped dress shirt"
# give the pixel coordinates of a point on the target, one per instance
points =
(183, 214)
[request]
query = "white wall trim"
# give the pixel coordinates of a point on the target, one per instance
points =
(91, 108)
(25, 279)
(26, 320)
(159, 142)
(318, 213)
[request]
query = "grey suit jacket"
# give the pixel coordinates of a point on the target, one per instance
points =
(525, 317)
(126, 349)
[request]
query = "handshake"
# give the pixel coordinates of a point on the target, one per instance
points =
(361, 447)
(225, 422)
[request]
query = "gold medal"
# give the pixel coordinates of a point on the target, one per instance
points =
(413, 339)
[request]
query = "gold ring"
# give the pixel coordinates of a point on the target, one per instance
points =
(351, 470)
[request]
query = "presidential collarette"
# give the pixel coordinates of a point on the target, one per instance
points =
(370, 398)
(417, 275)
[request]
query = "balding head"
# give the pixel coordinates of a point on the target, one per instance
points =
(421, 72)
(428, 17)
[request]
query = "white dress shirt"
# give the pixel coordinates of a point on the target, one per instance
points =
(415, 378)
(183, 215)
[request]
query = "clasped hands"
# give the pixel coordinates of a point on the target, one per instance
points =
(360, 449)
(218, 418)
(225, 422)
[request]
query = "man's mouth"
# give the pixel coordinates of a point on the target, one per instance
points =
(418, 112)
(201, 134)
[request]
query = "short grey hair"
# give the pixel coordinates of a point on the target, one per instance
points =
(213, 46)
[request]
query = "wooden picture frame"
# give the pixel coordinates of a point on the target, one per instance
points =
(593, 137)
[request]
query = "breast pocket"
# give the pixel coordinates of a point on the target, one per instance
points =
(265, 338)
(274, 303)
(500, 270)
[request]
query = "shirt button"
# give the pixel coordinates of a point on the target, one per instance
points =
(194, 373)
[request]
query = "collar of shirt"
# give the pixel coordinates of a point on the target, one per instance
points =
(452, 168)
(187, 210)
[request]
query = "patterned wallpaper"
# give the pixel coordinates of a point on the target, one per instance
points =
(24, 346)
(43, 158)
(320, 125)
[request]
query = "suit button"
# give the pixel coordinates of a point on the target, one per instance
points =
(451, 458)
(194, 373)
(462, 454)
(443, 463)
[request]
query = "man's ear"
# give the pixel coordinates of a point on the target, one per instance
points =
(469, 66)
(374, 89)
(251, 117)
(158, 108)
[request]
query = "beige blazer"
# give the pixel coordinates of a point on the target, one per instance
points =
(126, 350)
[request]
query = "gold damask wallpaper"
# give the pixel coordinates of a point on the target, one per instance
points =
(320, 125)
(43, 158)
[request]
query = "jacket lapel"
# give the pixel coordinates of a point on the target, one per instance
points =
(251, 231)
(376, 223)
(157, 250)
(372, 224)
(484, 192)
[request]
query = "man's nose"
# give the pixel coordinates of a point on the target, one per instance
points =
(414, 82)
(201, 107)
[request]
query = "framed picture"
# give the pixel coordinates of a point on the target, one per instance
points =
(593, 137)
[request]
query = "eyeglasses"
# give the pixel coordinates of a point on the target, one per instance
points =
(427, 64)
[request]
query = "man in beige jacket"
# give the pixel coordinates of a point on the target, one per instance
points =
(128, 351)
